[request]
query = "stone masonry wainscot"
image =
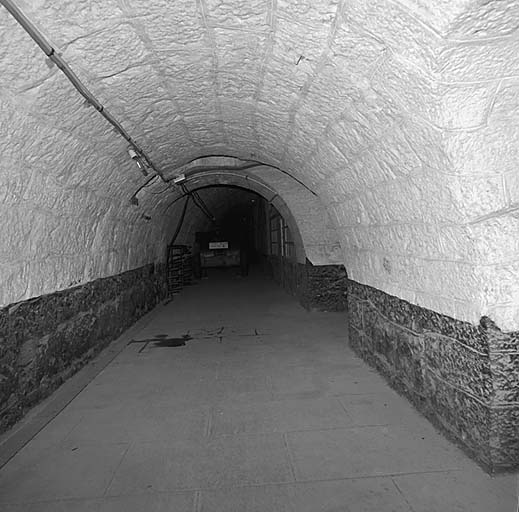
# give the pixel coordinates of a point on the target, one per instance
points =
(317, 287)
(44, 340)
(464, 378)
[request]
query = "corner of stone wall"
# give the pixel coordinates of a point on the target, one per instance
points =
(325, 287)
(45, 340)
(318, 288)
(504, 410)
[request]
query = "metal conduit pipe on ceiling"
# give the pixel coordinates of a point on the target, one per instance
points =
(226, 173)
(194, 171)
(57, 59)
(189, 171)
(219, 173)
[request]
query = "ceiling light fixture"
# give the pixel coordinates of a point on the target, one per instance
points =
(137, 158)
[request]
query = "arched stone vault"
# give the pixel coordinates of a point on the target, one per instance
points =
(316, 237)
(384, 131)
(401, 115)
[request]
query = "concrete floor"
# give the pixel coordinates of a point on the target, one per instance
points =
(265, 409)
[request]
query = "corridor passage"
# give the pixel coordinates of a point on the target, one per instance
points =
(264, 408)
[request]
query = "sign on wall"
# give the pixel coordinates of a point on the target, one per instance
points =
(218, 245)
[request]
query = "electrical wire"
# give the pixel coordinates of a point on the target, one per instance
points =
(249, 165)
(189, 193)
(147, 182)
(160, 192)
(57, 59)
(234, 175)
(295, 179)
(180, 221)
(143, 186)
(198, 202)
(201, 207)
(246, 178)
(178, 198)
(202, 203)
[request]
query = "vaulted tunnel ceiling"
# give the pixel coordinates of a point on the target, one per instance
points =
(402, 116)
